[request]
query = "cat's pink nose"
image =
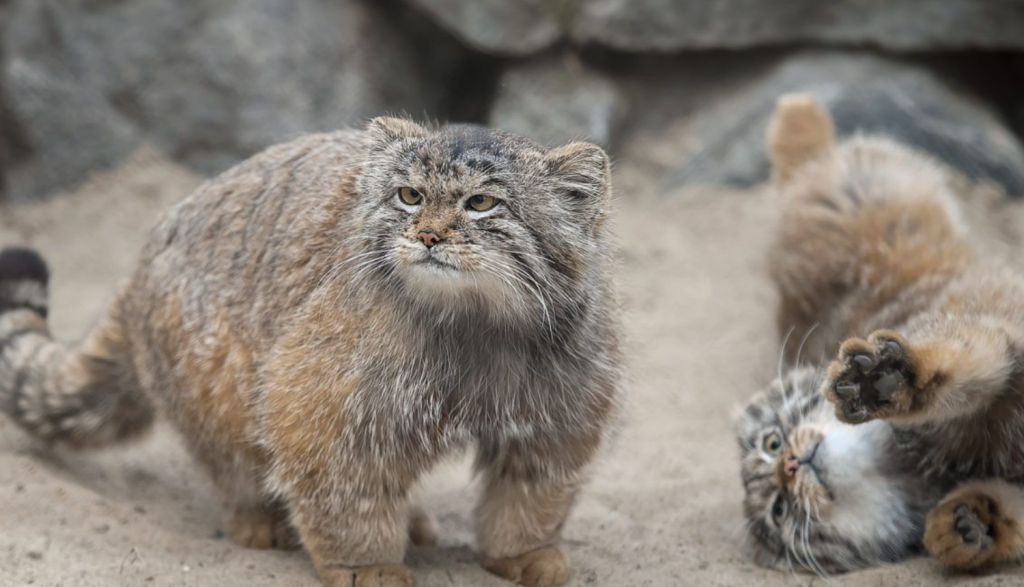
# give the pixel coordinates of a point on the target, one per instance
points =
(428, 237)
(790, 465)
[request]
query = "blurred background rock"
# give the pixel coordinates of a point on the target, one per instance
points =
(681, 88)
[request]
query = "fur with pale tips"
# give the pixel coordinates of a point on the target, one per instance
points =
(900, 399)
(318, 358)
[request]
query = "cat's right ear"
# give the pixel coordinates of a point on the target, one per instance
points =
(386, 130)
(800, 131)
(582, 174)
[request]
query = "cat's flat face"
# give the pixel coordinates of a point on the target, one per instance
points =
(822, 496)
(467, 210)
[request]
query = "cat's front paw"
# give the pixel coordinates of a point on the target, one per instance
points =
(871, 379)
(544, 567)
(368, 576)
(961, 532)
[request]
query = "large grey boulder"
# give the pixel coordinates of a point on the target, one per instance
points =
(66, 127)
(865, 94)
(898, 25)
(503, 27)
(524, 27)
(208, 82)
(558, 99)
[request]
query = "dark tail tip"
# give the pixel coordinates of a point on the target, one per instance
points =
(23, 280)
(18, 264)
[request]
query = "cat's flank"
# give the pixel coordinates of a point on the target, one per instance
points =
(913, 434)
(327, 320)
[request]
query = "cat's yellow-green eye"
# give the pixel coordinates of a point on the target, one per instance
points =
(778, 509)
(481, 202)
(772, 443)
(410, 196)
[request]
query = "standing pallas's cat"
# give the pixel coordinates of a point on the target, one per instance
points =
(327, 320)
(914, 435)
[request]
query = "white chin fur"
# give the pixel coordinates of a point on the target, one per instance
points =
(420, 273)
(438, 280)
(868, 505)
(445, 276)
(435, 278)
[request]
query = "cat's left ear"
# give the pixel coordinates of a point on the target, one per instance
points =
(582, 172)
(386, 130)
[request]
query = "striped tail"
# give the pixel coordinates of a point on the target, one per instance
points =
(84, 395)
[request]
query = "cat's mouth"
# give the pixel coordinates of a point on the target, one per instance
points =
(813, 466)
(432, 262)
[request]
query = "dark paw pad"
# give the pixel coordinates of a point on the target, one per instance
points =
(972, 529)
(870, 380)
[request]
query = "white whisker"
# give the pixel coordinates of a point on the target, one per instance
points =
(782, 351)
(803, 341)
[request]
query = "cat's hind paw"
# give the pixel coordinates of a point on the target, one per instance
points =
(961, 533)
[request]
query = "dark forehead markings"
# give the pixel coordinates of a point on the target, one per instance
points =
(402, 164)
(473, 144)
(455, 149)
(496, 181)
(783, 429)
(480, 165)
(755, 411)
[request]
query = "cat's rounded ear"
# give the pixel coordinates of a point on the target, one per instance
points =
(800, 131)
(385, 130)
(582, 172)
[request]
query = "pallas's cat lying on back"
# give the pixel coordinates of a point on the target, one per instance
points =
(328, 319)
(914, 434)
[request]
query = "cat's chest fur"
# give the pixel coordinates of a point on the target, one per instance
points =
(471, 380)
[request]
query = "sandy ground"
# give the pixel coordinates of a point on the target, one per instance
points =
(663, 505)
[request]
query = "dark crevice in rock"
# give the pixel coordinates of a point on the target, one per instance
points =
(468, 78)
(996, 77)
